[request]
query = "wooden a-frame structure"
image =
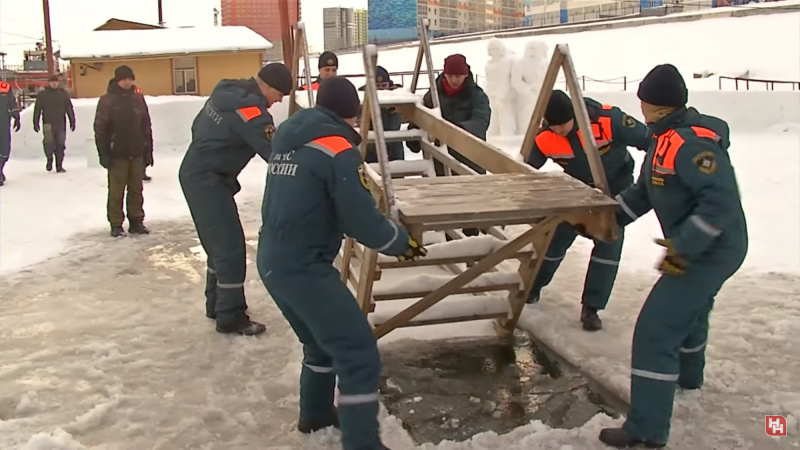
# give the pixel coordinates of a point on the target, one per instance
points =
(511, 194)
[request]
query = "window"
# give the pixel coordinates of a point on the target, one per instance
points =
(185, 75)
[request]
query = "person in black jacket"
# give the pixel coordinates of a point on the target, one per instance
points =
(124, 139)
(53, 107)
(462, 103)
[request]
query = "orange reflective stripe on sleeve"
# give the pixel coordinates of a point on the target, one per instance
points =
(4, 87)
(330, 145)
(249, 113)
(667, 147)
(602, 132)
(554, 146)
(607, 107)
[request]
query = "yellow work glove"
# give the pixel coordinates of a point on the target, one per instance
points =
(413, 252)
(672, 263)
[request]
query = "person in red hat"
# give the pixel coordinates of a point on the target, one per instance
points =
(462, 103)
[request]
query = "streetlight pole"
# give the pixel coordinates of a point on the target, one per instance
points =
(48, 39)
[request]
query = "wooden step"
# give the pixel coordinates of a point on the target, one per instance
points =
(399, 135)
(407, 168)
(420, 285)
(467, 250)
(455, 308)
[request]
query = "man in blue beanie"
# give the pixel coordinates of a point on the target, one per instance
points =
(688, 179)
(316, 192)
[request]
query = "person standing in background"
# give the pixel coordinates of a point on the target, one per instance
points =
(8, 111)
(53, 108)
(328, 65)
(124, 138)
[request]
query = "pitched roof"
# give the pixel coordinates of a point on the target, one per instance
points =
(161, 42)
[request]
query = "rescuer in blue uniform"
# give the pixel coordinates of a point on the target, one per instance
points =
(613, 131)
(8, 112)
(233, 126)
(688, 179)
(316, 192)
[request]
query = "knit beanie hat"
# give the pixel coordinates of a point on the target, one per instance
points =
(381, 75)
(123, 72)
(277, 76)
(456, 65)
(559, 109)
(340, 96)
(327, 59)
(663, 86)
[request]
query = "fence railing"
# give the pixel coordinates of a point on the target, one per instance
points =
(622, 81)
(769, 85)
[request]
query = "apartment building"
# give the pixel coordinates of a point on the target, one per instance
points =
(361, 26)
(341, 28)
(448, 17)
(261, 16)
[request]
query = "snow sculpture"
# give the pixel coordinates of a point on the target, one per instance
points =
(498, 89)
(527, 75)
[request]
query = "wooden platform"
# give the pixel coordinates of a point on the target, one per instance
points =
(493, 199)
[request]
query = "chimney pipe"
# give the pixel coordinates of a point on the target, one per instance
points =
(160, 14)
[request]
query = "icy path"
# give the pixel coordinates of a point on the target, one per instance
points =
(753, 358)
(107, 348)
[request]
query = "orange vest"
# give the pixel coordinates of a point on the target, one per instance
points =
(668, 144)
(557, 147)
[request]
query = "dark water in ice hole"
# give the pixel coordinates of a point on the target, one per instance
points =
(452, 390)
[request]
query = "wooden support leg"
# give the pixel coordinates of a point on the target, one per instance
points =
(491, 260)
(369, 264)
(347, 256)
(528, 270)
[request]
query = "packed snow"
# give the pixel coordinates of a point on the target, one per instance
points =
(162, 41)
(105, 345)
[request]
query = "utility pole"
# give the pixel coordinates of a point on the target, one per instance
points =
(160, 14)
(48, 39)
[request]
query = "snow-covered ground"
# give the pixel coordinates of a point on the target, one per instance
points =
(105, 347)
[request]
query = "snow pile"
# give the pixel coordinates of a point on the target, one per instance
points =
(171, 116)
(162, 41)
(634, 57)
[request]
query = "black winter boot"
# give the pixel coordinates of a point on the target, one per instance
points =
(59, 163)
(591, 321)
(137, 227)
(310, 427)
(49, 165)
(244, 326)
(117, 232)
(2, 175)
(620, 438)
(145, 176)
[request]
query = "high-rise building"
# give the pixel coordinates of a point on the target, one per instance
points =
(263, 17)
(361, 26)
(340, 30)
(448, 17)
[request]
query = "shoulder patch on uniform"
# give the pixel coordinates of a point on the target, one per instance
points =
(249, 113)
(4, 87)
(362, 176)
(269, 131)
(628, 121)
(706, 162)
(332, 145)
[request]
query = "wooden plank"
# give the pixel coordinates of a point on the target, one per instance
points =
(481, 152)
(465, 277)
(455, 308)
(467, 318)
(399, 135)
(583, 122)
(548, 83)
(463, 290)
(441, 261)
